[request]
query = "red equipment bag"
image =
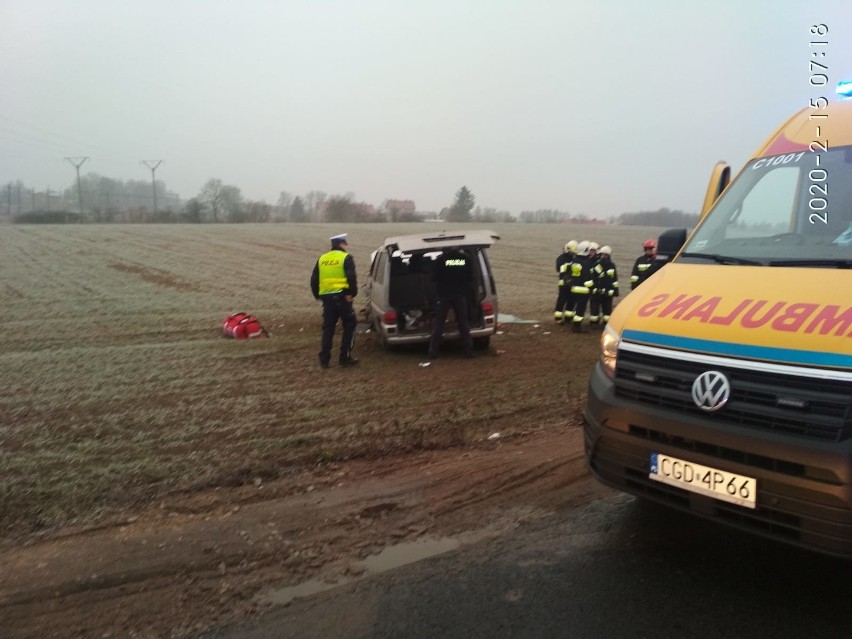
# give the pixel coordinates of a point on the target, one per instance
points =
(243, 326)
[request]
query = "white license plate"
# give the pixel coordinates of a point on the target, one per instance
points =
(719, 484)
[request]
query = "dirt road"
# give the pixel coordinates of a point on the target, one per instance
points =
(201, 560)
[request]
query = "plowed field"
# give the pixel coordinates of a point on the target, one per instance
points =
(159, 480)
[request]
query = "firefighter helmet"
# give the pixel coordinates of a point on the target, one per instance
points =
(649, 244)
(605, 250)
(594, 246)
(571, 246)
(583, 248)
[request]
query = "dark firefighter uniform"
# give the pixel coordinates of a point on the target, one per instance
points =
(644, 266)
(335, 283)
(564, 310)
(581, 285)
(606, 288)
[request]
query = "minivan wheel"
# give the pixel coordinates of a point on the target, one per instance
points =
(481, 343)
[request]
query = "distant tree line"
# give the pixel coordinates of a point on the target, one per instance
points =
(660, 217)
(554, 216)
(109, 200)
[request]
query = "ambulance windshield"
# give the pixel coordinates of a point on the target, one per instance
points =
(793, 209)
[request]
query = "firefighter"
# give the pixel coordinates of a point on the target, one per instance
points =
(334, 283)
(563, 270)
(605, 289)
(593, 252)
(644, 265)
(581, 285)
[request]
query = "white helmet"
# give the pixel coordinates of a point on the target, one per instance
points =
(571, 246)
(583, 248)
(594, 246)
(605, 250)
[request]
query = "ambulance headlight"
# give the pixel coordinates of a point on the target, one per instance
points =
(609, 350)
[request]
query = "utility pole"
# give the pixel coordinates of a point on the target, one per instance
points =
(78, 162)
(153, 164)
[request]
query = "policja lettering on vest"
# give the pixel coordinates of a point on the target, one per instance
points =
(335, 283)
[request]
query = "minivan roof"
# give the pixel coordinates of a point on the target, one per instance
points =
(442, 239)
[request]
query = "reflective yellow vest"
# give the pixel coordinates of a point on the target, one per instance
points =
(332, 277)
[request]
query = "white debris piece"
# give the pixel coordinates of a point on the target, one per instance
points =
(493, 436)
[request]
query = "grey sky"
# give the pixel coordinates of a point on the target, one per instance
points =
(592, 107)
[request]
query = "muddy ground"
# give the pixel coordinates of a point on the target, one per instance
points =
(198, 561)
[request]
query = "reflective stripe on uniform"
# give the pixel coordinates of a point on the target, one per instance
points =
(581, 290)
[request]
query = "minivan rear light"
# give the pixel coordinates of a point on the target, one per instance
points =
(487, 308)
(389, 318)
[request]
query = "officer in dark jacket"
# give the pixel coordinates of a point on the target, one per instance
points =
(452, 273)
(335, 284)
(644, 265)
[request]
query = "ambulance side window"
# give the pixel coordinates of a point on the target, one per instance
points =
(769, 208)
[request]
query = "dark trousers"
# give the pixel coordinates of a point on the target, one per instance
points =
(580, 303)
(459, 305)
(334, 308)
(564, 301)
(601, 306)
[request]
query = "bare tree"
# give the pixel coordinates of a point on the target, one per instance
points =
(223, 200)
(285, 201)
(297, 211)
(313, 203)
(212, 196)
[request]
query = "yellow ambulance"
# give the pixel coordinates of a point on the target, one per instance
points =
(724, 383)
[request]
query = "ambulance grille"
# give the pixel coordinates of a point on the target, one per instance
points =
(800, 406)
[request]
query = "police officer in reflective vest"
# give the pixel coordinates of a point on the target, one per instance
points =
(453, 276)
(335, 284)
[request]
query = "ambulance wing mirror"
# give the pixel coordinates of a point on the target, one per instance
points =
(719, 180)
(668, 244)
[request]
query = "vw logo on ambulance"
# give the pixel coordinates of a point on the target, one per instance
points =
(711, 390)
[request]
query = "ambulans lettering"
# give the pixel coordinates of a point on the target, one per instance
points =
(828, 318)
(751, 319)
(679, 306)
(790, 317)
(648, 309)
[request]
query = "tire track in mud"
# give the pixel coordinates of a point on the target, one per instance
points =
(202, 558)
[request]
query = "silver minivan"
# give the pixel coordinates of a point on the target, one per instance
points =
(401, 297)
